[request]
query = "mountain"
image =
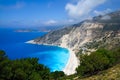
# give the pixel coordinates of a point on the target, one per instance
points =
(100, 31)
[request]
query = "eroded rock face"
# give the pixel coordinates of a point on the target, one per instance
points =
(87, 32)
(78, 36)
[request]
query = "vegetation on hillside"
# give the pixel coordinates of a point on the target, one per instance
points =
(112, 73)
(97, 61)
(25, 69)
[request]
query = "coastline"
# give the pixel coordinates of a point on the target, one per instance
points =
(72, 63)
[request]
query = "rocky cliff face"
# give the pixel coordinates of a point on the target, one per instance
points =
(98, 32)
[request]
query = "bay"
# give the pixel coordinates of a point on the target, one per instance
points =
(13, 43)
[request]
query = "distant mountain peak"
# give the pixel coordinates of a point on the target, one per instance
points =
(101, 31)
(110, 17)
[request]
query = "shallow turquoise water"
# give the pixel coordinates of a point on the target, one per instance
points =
(14, 44)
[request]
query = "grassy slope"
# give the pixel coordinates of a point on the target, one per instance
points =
(112, 73)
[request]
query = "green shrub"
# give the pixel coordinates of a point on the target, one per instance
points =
(97, 61)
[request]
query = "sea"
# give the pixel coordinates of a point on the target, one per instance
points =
(13, 43)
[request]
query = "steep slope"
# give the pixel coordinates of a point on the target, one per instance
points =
(104, 29)
(112, 73)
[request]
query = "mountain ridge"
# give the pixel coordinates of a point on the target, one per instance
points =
(79, 35)
(84, 37)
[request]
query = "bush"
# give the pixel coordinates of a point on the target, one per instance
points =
(57, 75)
(25, 69)
(97, 61)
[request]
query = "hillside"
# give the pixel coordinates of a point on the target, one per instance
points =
(86, 37)
(110, 74)
(101, 31)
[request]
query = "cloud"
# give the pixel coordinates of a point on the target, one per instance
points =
(18, 5)
(70, 20)
(102, 12)
(82, 8)
(106, 17)
(58, 23)
(50, 22)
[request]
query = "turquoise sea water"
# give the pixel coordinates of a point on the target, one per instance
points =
(15, 47)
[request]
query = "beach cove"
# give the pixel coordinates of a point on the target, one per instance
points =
(13, 43)
(72, 63)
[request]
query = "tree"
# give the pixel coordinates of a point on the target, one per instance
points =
(57, 75)
(93, 63)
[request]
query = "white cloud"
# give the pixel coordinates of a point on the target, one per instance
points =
(102, 12)
(50, 22)
(82, 8)
(106, 17)
(70, 20)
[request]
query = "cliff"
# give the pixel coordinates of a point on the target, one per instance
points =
(101, 31)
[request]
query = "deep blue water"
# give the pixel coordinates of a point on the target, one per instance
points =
(13, 43)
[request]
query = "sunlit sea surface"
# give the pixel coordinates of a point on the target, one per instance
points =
(13, 43)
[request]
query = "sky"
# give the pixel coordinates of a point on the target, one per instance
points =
(35, 13)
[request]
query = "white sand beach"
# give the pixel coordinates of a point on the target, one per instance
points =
(30, 42)
(72, 63)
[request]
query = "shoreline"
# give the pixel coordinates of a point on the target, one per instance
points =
(72, 63)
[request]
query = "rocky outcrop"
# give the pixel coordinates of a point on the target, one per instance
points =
(104, 29)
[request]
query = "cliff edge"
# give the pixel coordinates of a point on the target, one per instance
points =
(89, 34)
